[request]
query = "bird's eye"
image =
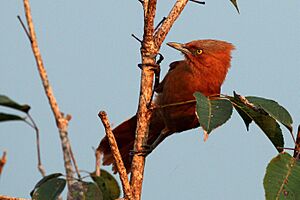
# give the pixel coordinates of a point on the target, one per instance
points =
(199, 51)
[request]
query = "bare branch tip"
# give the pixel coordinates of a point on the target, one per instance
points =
(198, 2)
(138, 39)
(161, 21)
(24, 28)
(68, 117)
(102, 114)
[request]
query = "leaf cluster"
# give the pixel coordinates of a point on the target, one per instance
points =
(213, 112)
(282, 178)
(104, 187)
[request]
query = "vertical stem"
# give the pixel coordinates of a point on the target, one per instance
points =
(40, 65)
(148, 53)
(143, 121)
(61, 121)
(297, 144)
(150, 47)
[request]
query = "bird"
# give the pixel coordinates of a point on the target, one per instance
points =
(203, 69)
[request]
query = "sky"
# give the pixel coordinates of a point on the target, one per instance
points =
(91, 61)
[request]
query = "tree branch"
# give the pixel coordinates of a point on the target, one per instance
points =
(162, 32)
(150, 47)
(37, 133)
(2, 161)
(149, 23)
(117, 156)
(148, 53)
(2, 197)
(61, 121)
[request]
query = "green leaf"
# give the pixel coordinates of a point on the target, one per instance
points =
(247, 120)
(44, 180)
(212, 113)
(234, 2)
(91, 191)
(282, 178)
(273, 109)
(267, 123)
(7, 102)
(50, 189)
(9, 117)
(108, 185)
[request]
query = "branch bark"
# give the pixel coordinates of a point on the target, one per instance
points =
(162, 32)
(2, 161)
(2, 197)
(61, 121)
(150, 47)
(117, 156)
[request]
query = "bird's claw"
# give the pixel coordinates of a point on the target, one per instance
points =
(152, 66)
(155, 67)
(145, 151)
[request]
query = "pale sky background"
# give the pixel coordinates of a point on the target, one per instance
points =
(91, 62)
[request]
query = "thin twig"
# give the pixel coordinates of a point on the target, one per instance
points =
(135, 37)
(286, 148)
(177, 104)
(161, 21)
(2, 161)
(24, 27)
(117, 156)
(37, 133)
(297, 144)
(199, 2)
(61, 122)
(74, 162)
(98, 162)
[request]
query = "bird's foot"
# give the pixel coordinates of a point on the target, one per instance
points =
(151, 66)
(145, 151)
(156, 68)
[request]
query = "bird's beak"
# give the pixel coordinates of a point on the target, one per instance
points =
(179, 47)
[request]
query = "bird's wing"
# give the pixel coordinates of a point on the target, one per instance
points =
(172, 66)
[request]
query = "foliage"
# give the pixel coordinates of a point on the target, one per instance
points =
(266, 113)
(213, 112)
(282, 178)
(104, 187)
(49, 187)
(108, 185)
(9, 103)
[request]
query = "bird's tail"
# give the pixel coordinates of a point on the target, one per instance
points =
(124, 135)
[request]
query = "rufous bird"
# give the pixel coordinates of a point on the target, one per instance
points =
(204, 68)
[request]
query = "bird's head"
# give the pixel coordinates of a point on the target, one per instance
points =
(210, 57)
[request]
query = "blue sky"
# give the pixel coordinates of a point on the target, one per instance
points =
(91, 61)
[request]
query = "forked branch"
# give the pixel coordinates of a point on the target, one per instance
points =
(150, 47)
